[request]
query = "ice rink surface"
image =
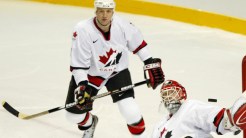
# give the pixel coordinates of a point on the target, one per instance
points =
(35, 41)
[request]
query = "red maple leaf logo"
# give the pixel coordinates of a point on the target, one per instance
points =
(75, 34)
(104, 59)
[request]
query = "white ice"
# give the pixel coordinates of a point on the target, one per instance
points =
(35, 41)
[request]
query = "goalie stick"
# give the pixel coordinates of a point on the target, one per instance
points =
(20, 115)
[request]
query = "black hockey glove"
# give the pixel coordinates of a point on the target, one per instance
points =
(83, 96)
(156, 75)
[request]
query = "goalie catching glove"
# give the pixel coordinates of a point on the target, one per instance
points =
(156, 75)
(235, 117)
(82, 95)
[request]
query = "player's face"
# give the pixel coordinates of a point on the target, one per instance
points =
(104, 15)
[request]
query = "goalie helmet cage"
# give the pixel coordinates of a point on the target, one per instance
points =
(244, 82)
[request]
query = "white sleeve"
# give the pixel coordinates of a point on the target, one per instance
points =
(80, 51)
(133, 36)
(206, 115)
(80, 75)
(80, 54)
(135, 41)
(144, 54)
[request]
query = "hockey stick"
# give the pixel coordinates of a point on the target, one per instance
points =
(20, 115)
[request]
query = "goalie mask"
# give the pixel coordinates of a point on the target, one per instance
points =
(173, 94)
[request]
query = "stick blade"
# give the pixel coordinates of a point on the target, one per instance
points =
(11, 110)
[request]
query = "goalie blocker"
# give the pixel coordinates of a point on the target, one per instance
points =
(235, 117)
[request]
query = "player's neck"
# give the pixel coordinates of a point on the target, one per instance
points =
(104, 28)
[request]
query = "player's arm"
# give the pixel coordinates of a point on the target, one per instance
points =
(151, 65)
(80, 52)
(138, 46)
(79, 66)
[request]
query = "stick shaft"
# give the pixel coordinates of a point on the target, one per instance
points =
(16, 113)
(119, 90)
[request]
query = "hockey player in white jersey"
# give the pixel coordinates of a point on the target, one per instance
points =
(195, 119)
(99, 57)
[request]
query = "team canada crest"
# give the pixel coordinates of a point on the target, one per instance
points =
(110, 60)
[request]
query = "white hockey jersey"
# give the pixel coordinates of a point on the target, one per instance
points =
(100, 56)
(194, 119)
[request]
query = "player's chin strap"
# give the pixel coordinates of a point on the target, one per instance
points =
(148, 67)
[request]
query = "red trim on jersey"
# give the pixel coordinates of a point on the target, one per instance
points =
(140, 47)
(95, 80)
(106, 35)
(219, 117)
(87, 116)
(137, 128)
